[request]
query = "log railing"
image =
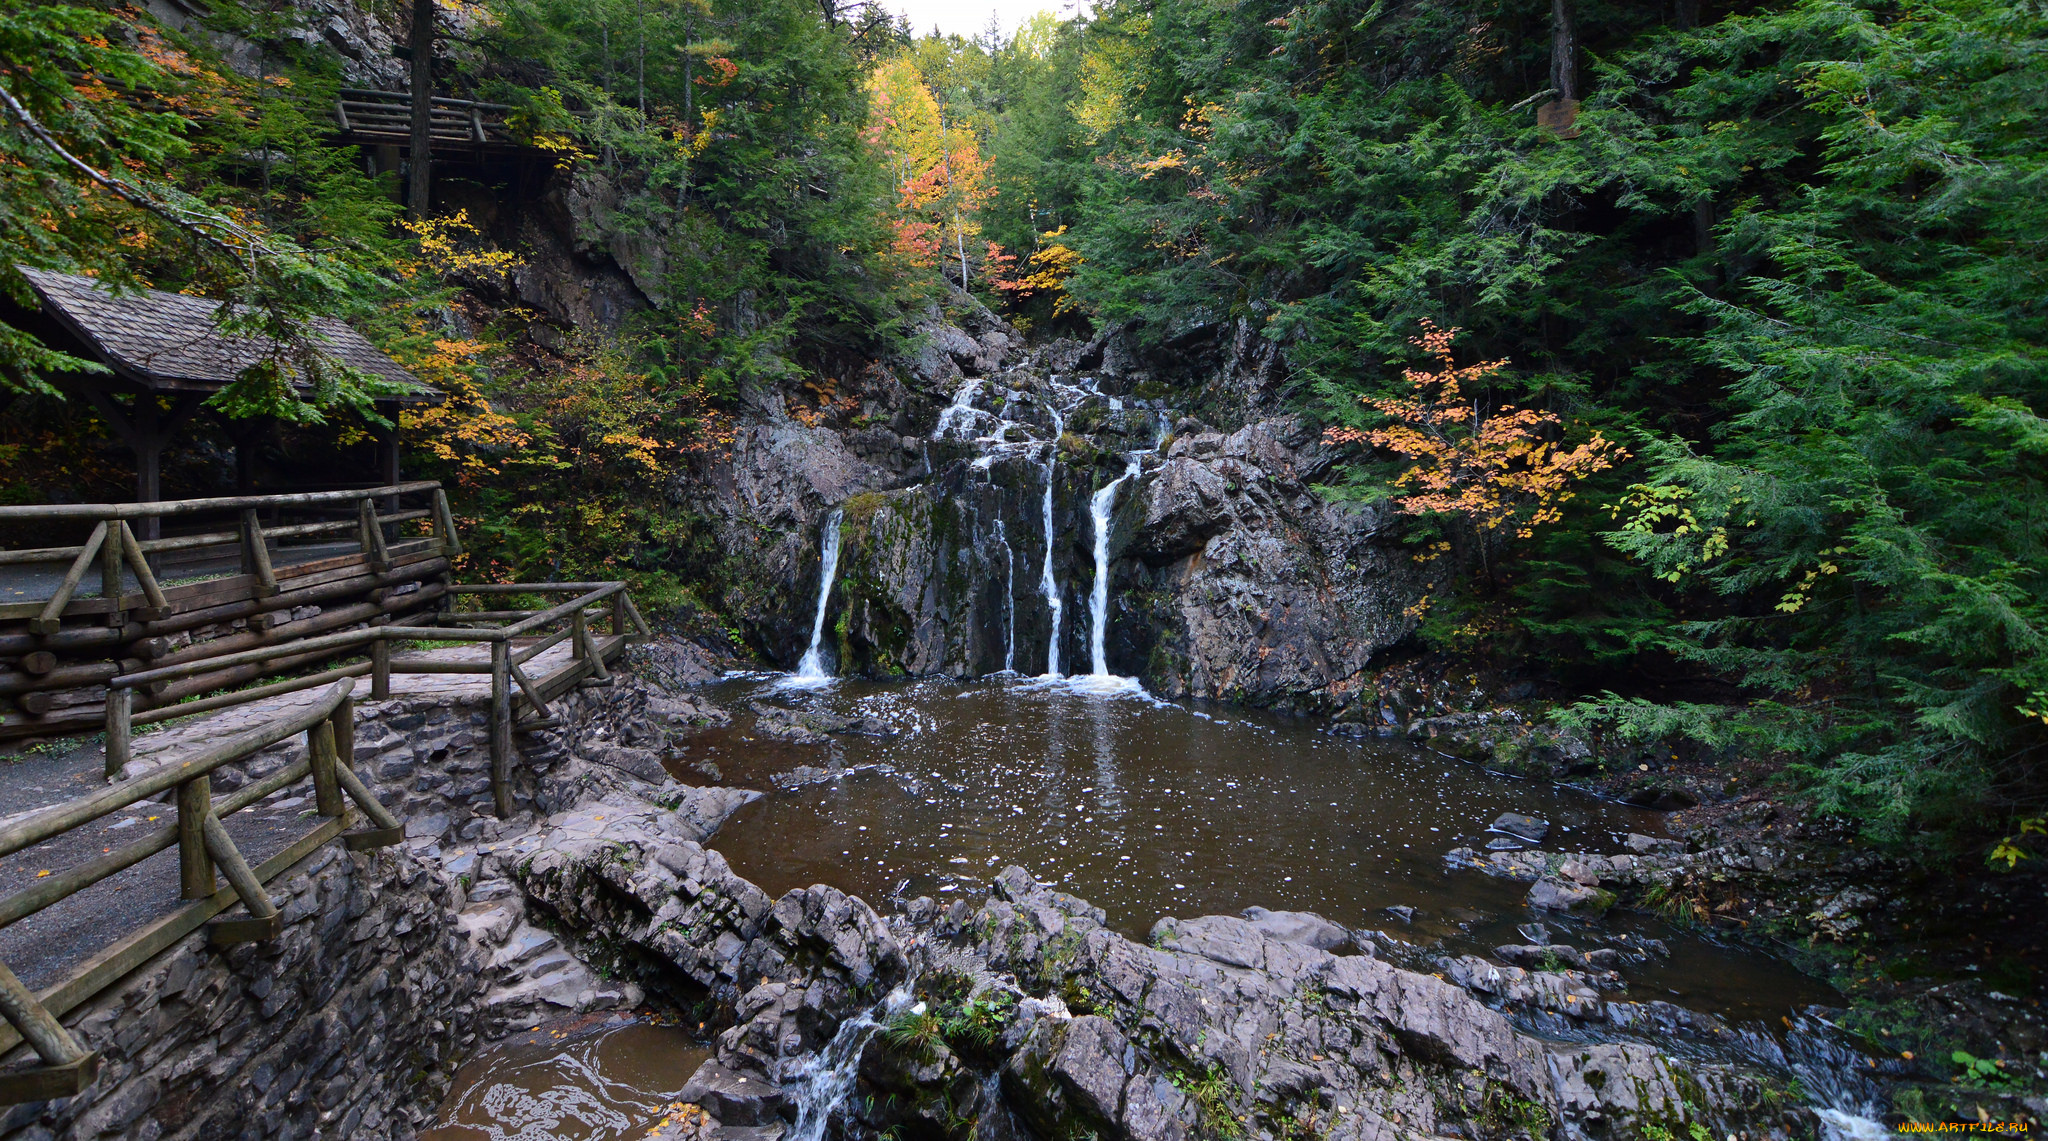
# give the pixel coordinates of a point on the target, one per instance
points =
(203, 845)
(135, 643)
(386, 116)
(58, 649)
(127, 650)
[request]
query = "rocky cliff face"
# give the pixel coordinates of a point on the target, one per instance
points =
(966, 478)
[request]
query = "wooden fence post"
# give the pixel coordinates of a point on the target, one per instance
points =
(372, 534)
(501, 727)
(139, 562)
(444, 521)
(380, 669)
(52, 1042)
(256, 554)
(120, 730)
(110, 574)
(195, 867)
(52, 616)
(344, 722)
(326, 786)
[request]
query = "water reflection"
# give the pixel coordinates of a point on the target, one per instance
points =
(604, 1083)
(1151, 810)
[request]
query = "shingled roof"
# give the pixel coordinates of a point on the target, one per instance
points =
(168, 341)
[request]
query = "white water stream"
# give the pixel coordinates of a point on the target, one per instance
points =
(826, 1079)
(1009, 599)
(1098, 600)
(812, 667)
(1047, 583)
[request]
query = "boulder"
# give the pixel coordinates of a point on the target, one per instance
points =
(1553, 894)
(1530, 828)
(1297, 927)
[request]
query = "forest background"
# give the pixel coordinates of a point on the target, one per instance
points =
(1780, 263)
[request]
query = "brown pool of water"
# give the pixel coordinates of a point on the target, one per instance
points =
(606, 1081)
(1149, 809)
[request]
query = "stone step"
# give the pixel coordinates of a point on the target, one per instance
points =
(525, 943)
(490, 923)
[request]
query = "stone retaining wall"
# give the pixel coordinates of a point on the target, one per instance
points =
(342, 1027)
(347, 1026)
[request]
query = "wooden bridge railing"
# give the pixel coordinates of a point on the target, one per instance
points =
(386, 116)
(131, 644)
(203, 844)
(62, 643)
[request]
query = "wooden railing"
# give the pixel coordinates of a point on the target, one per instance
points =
(589, 652)
(60, 648)
(130, 644)
(386, 116)
(120, 651)
(203, 844)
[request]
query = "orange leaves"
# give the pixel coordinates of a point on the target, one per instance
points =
(723, 70)
(1497, 470)
(1051, 265)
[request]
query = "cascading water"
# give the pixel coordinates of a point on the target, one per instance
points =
(824, 1080)
(962, 410)
(812, 667)
(1009, 599)
(1047, 583)
(1098, 601)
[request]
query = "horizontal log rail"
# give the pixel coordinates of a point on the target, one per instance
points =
(389, 114)
(311, 618)
(169, 507)
(204, 847)
(71, 640)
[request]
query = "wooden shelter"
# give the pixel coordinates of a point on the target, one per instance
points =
(168, 345)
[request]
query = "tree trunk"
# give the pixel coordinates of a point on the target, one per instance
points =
(1564, 51)
(420, 195)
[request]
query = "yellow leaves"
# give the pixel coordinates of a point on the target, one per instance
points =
(2008, 849)
(453, 245)
(1171, 160)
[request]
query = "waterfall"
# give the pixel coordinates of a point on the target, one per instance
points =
(1009, 599)
(962, 408)
(812, 667)
(825, 1079)
(1098, 600)
(1047, 583)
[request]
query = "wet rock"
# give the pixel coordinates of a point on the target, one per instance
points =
(673, 664)
(685, 712)
(1553, 894)
(1530, 828)
(644, 764)
(734, 1098)
(1645, 845)
(1243, 586)
(700, 812)
(1298, 927)
(1401, 911)
(1663, 798)
(1554, 956)
(787, 726)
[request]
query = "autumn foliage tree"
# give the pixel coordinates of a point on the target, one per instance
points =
(940, 177)
(1507, 470)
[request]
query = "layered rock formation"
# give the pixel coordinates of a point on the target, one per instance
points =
(1023, 1016)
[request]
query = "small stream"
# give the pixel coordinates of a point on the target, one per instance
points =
(595, 1080)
